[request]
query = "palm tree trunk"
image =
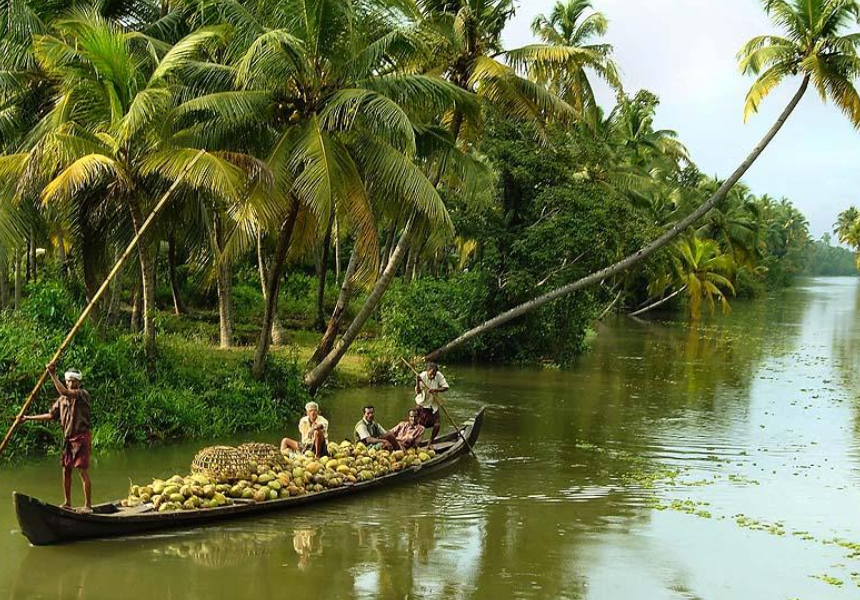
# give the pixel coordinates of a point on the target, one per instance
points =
(639, 255)
(178, 305)
(115, 292)
(315, 378)
(336, 252)
(4, 283)
(147, 273)
(136, 306)
(225, 301)
(389, 243)
(32, 258)
(18, 281)
(273, 286)
(327, 342)
(658, 303)
(322, 270)
(61, 250)
(611, 304)
(278, 334)
(89, 262)
(225, 283)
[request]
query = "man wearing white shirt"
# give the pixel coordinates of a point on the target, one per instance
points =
(428, 385)
(314, 433)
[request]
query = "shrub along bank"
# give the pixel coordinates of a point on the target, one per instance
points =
(189, 389)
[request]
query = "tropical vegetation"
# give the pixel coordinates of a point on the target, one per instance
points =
(383, 173)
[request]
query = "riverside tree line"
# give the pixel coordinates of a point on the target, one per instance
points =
(428, 179)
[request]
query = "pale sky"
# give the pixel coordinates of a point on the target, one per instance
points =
(684, 51)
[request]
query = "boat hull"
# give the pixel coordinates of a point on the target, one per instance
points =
(45, 524)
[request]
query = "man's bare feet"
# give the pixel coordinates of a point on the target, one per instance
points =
(66, 505)
(85, 509)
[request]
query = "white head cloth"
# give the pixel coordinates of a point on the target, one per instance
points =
(73, 374)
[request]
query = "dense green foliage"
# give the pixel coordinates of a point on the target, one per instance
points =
(827, 260)
(188, 390)
(321, 150)
(847, 229)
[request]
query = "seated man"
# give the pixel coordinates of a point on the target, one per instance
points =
(406, 434)
(369, 432)
(314, 433)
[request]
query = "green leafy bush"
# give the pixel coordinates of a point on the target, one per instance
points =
(423, 315)
(189, 390)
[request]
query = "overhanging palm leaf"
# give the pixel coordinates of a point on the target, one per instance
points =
(811, 47)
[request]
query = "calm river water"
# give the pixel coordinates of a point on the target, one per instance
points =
(719, 462)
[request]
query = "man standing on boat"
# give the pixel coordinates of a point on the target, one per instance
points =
(313, 428)
(72, 410)
(428, 385)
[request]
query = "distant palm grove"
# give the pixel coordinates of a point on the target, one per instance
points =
(377, 174)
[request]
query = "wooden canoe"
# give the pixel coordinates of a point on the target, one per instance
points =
(45, 524)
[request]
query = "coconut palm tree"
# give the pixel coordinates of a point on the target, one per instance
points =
(319, 82)
(464, 44)
(569, 26)
(818, 46)
(847, 230)
(112, 90)
(705, 272)
(847, 227)
(735, 224)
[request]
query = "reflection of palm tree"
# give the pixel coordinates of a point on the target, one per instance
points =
(704, 270)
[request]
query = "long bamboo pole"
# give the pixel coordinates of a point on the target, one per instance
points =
(99, 294)
(445, 410)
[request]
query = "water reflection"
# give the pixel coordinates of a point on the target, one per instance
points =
(307, 543)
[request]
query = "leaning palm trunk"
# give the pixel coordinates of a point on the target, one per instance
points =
(638, 256)
(273, 286)
(318, 374)
(333, 327)
(658, 303)
(611, 305)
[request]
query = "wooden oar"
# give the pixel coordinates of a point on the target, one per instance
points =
(98, 296)
(442, 406)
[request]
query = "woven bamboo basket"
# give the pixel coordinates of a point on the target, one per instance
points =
(222, 463)
(263, 454)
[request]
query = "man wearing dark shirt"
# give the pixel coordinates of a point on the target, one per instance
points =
(369, 432)
(72, 410)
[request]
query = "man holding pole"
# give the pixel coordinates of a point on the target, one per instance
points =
(428, 385)
(72, 410)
